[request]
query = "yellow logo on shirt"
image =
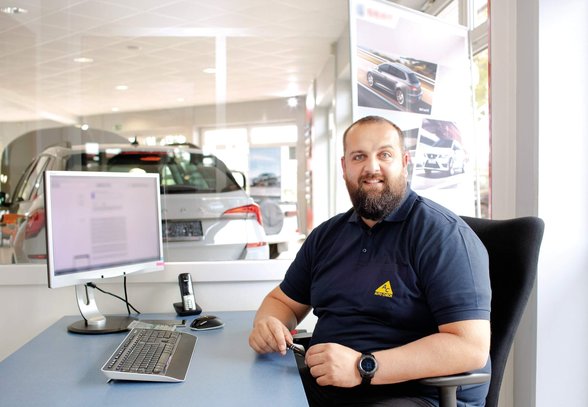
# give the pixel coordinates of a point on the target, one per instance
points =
(385, 290)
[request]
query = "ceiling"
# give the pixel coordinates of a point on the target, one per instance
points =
(159, 50)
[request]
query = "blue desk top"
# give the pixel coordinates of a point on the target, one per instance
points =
(62, 368)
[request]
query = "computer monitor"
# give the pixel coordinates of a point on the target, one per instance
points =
(100, 225)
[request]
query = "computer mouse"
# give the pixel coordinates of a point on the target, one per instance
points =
(206, 322)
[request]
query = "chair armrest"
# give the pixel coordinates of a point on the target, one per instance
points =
(457, 380)
(447, 385)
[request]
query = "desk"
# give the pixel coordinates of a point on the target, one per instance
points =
(61, 368)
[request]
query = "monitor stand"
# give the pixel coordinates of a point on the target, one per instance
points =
(94, 322)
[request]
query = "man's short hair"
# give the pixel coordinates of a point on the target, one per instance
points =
(375, 119)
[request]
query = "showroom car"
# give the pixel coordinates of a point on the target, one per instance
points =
(398, 80)
(445, 155)
(206, 214)
(266, 179)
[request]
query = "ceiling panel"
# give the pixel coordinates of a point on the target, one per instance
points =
(159, 49)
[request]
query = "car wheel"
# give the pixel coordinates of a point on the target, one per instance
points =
(400, 97)
(451, 168)
(370, 79)
(274, 252)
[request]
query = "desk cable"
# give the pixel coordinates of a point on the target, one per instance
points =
(125, 300)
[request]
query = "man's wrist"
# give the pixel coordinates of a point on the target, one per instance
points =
(367, 367)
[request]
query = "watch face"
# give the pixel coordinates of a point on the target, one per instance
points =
(368, 364)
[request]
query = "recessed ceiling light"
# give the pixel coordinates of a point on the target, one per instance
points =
(180, 99)
(293, 101)
(115, 109)
(209, 70)
(121, 87)
(14, 10)
(83, 60)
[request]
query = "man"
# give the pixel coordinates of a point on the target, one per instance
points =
(399, 284)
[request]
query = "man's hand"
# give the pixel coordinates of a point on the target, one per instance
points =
(269, 334)
(332, 364)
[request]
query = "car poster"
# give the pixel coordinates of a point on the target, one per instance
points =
(414, 70)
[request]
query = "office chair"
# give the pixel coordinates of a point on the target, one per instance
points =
(513, 248)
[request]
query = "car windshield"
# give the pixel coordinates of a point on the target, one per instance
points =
(180, 171)
(443, 143)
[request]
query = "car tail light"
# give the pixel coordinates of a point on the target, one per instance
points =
(252, 209)
(42, 256)
(35, 223)
(150, 158)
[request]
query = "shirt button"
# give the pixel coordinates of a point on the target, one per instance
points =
(364, 250)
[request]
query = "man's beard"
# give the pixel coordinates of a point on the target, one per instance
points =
(376, 205)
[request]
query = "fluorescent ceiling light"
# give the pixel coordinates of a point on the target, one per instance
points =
(83, 60)
(121, 87)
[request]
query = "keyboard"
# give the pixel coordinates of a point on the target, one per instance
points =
(151, 355)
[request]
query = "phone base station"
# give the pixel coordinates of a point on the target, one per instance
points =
(179, 307)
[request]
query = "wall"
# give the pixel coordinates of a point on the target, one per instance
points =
(184, 120)
(188, 120)
(562, 325)
(538, 149)
(513, 105)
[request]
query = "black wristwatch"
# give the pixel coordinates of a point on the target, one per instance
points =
(367, 367)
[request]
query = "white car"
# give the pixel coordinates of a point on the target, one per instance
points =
(206, 214)
(446, 156)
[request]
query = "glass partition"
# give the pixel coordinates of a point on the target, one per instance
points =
(204, 94)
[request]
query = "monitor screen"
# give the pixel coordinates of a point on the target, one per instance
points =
(101, 225)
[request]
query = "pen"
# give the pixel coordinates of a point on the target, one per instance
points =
(298, 349)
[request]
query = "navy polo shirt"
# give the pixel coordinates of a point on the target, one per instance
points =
(385, 286)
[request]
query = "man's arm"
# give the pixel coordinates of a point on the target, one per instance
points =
(277, 315)
(458, 347)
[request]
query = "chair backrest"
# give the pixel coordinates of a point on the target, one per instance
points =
(513, 248)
